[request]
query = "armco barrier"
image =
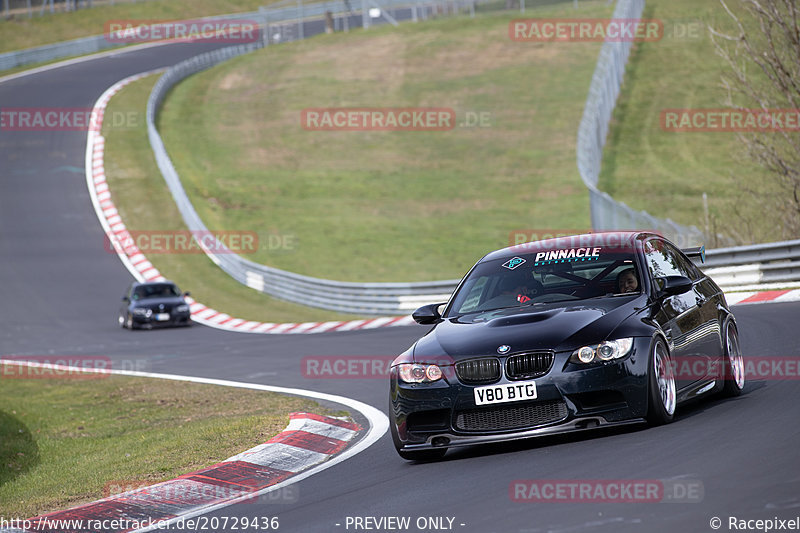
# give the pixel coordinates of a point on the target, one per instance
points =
(50, 52)
(758, 264)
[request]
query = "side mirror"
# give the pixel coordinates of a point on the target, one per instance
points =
(187, 293)
(427, 314)
(126, 299)
(672, 285)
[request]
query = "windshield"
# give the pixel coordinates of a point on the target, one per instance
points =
(160, 290)
(557, 275)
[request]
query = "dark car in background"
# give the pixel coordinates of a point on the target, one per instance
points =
(154, 304)
(564, 335)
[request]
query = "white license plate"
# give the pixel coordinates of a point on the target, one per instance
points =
(509, 392)
(162, 317)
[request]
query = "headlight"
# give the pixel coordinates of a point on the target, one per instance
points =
(141, 311)
(605, 351)
(419, 373)
(182, 308)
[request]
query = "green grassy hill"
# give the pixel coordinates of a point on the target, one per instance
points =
(382, 205)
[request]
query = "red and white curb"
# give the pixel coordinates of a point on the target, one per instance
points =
(762, 297)
(143, 270)
(307, 441)
(309, 444)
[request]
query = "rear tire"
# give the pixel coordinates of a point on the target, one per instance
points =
(734, 364)
(661, 385)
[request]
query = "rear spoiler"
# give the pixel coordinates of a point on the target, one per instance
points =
(697, 251)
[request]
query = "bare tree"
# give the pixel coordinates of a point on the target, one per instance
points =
(762, 51)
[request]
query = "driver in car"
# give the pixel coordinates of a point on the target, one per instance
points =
(521, 288)
(627, 281)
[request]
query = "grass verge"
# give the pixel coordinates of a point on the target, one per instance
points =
(145, 203)
(389, 205)
(63, 440)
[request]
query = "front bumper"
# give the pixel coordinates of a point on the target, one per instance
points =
(449, 440)
(175, 319)
(572, 397)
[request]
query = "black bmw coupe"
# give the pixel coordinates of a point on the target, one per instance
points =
(563, 335)
(154, 303)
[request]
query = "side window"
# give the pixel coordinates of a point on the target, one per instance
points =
(685, 265)
(474, 295)
(662, 261)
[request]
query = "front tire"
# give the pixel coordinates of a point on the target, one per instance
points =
(662, 398)
(734, 364)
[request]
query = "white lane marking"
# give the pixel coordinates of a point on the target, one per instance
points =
(378, 424)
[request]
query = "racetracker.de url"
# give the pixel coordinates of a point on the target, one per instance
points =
(198, 523)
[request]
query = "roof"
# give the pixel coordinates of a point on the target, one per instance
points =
(596, 239)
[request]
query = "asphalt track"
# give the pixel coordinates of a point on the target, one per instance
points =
(60, 292)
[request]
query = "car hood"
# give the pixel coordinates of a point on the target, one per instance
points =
(556, 326)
